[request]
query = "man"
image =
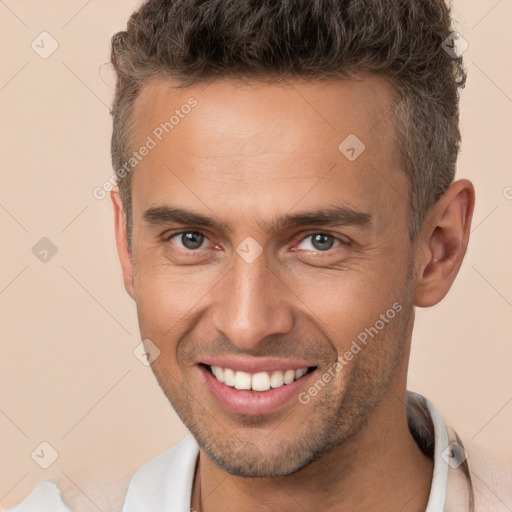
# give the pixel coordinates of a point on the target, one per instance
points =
(286, 197)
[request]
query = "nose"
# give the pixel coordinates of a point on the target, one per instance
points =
(250, 303)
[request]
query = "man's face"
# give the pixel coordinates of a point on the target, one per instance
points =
(270, 285)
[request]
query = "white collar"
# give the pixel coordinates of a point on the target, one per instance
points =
(439, 486)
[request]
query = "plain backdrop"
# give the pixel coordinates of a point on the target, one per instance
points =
(68, 329)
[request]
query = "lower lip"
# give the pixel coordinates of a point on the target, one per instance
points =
(254, 402)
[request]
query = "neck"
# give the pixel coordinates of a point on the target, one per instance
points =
(380, 468)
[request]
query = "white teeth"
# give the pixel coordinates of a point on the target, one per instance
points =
(276, 379)
(242, 380)
(261, 381)
(300, 372)
(229, 377)
(289, 376)
(218, 372)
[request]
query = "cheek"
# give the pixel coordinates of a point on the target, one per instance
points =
(166, 296)
(344, 304)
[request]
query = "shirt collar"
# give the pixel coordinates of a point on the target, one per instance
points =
(424, 436)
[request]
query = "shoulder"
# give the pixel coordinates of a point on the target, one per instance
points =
(489, 477)
(464, 472)
(165, 479)
(45, 497)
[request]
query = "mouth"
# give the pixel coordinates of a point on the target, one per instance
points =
(260, 381)
(258, 393)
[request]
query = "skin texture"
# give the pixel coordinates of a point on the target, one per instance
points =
(246, 155)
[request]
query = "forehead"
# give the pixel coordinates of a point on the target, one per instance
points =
(303, 108)
(256, 140)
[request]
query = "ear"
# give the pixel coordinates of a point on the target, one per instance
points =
(122, 242)
(442, 243)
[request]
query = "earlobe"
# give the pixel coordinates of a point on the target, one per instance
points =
(443, 242)
(122, 242)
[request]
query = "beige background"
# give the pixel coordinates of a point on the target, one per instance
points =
(68, 373)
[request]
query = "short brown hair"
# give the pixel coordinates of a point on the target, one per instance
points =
(192, 41)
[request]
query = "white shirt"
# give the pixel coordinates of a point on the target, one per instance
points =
(44, 498)
(165, 483)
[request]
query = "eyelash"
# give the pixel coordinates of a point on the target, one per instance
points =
(194, 251)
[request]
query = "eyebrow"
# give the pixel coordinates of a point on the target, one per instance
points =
(331, 216)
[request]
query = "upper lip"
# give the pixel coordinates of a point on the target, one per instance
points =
(256, 364)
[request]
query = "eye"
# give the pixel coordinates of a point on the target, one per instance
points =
(320, 242)
(188, 240)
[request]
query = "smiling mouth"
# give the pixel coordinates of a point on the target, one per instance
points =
(260, 381)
